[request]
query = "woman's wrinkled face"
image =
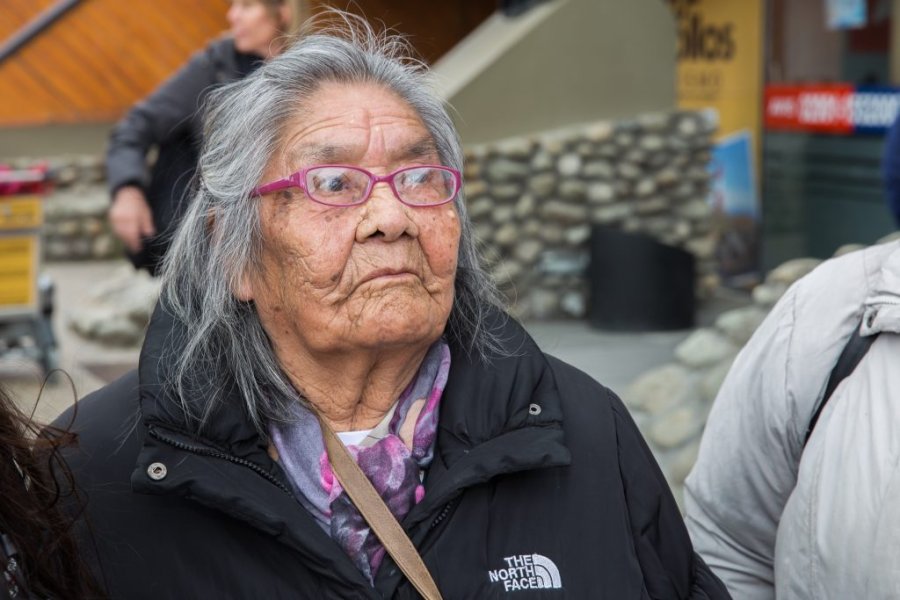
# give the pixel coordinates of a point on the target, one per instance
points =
(371, 276)
(254, 27)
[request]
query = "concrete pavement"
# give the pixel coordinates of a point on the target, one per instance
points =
(74, 283)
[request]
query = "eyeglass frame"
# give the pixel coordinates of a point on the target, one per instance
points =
(298, 180)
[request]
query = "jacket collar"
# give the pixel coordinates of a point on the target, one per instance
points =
(484, 401)
(882, 304)
(497, 417)
(228, 427)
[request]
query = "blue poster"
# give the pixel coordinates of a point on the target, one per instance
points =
(845, 14)
(736, 208)
(733, 190)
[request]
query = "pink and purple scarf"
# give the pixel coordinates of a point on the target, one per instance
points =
(393, 457)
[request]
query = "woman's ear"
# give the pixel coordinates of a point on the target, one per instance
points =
(243, 289)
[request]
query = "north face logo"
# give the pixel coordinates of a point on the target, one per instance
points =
(527, 572)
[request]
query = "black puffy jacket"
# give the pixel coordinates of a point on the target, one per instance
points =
(541, 487)
(170, 120)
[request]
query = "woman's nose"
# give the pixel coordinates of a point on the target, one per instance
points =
(385, 216)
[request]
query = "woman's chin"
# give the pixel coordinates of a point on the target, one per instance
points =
(244, 46)
(394, 326)
(402, 321)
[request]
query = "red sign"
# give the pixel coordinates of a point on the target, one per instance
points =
(823, 108)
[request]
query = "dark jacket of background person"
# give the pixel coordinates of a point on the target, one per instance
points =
(890, 170)
(532, 458)
(170, 120)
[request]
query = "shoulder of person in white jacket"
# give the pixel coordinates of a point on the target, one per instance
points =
(751, 449)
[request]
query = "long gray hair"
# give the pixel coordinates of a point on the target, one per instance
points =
(219, 239)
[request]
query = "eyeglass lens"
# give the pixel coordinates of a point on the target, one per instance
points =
(416, 185)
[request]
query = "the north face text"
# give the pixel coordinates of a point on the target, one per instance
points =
(526, 572)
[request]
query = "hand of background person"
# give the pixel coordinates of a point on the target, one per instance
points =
(131, 218)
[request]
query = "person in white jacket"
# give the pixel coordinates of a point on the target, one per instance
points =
(775, 519)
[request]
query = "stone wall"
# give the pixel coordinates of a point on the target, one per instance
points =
(75, 222)
(671, 403)
(534, 199)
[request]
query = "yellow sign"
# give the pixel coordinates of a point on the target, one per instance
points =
(20, 212)
(18, 271)
(720, 61)
(720, 67)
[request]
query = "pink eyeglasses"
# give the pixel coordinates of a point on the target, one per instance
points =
(343, 185)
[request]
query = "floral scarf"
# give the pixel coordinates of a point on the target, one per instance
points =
(393, 457)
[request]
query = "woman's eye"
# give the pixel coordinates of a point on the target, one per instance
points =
(334, 184)
(330, 184)
(418, 177)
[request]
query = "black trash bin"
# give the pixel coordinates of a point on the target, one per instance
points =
(639, 284)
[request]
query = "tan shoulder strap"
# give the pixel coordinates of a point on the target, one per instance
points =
(378, 515)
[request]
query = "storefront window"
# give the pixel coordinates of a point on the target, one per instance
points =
(828, 103)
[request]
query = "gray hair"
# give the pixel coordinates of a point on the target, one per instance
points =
(221, 338)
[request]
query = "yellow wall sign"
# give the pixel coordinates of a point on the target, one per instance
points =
(20, 212)
(720, 61)
(18, 271)
(720, 67)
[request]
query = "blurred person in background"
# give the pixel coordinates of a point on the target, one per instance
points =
(324, 291)
(794, 493)
(147, 202)
(38, 556)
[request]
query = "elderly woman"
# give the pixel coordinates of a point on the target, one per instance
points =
(325, 280)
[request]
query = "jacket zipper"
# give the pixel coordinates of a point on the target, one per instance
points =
(203, 451)
(443, 515)
(429, 537)
(395, 577)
